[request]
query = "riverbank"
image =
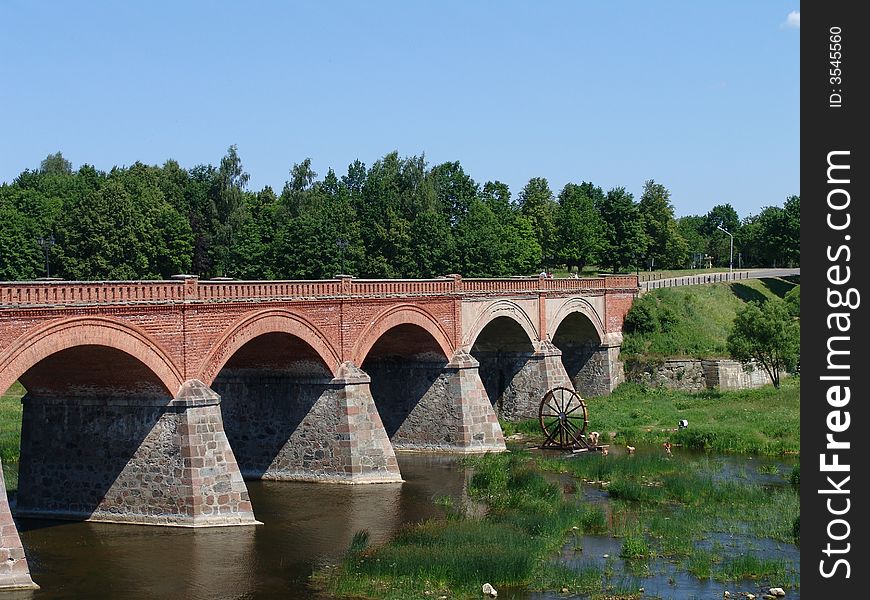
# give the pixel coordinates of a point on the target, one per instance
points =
(696, 516)
(667, 517)
(10, 433)
(764, 421)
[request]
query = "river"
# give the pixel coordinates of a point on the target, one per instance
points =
(304, 526)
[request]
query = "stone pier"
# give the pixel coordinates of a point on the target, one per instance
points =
(293, 428)
(595, 368)
(430, 405)
(131, 460)
(14, 573)
(516, 382)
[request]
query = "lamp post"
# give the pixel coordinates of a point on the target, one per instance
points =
(731, 254)
(46, 243)
(342, 245)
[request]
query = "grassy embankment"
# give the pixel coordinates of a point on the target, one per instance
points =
(10, 433)
(758, 421)
(692, 321)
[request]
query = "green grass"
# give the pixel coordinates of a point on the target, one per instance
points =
(763, 420)
(659, 507)
(691, 321)
(527, 523)
(10, 434)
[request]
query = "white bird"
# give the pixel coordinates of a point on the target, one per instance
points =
(683, 423)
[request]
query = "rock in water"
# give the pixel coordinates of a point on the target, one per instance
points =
(488, 590)
(777, 591)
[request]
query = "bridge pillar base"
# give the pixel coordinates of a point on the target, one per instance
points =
(536, 373)
(595, 369)
(291, 428)
(453, 413)
(130, 460)
(14, 573)
(368, 453)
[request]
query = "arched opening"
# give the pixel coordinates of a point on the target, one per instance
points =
(580, 343)
(93, 417)
(409, 386)
(275, 392)
(503, 349)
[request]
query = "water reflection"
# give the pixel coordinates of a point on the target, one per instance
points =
(304, 526)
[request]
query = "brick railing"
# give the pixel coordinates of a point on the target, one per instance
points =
(77, 293)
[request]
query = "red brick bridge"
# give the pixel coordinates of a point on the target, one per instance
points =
(147, 402)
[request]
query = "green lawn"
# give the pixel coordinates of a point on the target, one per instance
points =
(10, 433)
(764, 420)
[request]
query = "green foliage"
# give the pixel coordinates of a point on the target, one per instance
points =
(667, 248)
(55, 164)
(398, 218)
(626, 241)
(691, 321)
(538, 206)
(579, 227)
(634, 546)
(793, 301)
(768, 335)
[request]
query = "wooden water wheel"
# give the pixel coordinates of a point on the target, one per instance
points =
(564, 419)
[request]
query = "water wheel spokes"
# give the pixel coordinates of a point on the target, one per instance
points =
(563, 417)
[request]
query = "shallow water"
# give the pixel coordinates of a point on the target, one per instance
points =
(310, 525)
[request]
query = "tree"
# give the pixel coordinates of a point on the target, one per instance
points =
(718, 242)
(579, 228)
(455, 190)
(521, 252)
(228, 198)
(667, 248)
(20, 256)
(791, 230)
(692, 229)
(55, 164)
(768, 335)
(793, 301)
(538, 206)
(627, 241)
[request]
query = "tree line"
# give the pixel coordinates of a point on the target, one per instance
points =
(398, 217)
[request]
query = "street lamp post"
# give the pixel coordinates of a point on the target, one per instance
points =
(731, 254)
(342, 246)
(46, 243)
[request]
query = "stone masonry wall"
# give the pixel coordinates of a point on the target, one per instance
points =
(130, 461)
(693, 375)
(430, 406)
(595, 370)
(291, 428)
(516, 382)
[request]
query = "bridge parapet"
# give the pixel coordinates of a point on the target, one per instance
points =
(77, 293)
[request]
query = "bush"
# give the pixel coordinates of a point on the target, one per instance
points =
(642, 317)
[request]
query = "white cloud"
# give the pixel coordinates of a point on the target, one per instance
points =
(793, 20)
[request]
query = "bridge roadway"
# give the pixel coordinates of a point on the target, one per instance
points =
(149, 402)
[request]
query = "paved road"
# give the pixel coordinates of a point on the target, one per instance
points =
(702, 278)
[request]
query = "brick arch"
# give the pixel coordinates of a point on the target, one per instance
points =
(89, 331)
(581, 306)
(257, 324)
(403, 314)
(502, 308)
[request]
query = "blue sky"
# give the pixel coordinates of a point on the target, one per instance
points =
(700, 96)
